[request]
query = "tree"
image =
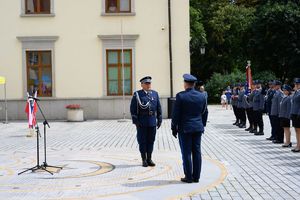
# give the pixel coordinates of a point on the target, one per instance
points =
(275, 43)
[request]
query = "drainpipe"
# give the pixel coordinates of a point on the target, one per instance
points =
(171, 99)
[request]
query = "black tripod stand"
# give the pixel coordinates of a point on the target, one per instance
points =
(45, 123)
(44, 165)
(38, 166)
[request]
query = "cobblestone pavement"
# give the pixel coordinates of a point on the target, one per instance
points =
(100, 160)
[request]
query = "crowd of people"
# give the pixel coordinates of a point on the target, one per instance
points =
(280, 102)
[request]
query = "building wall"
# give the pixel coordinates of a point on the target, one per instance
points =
(78, 57)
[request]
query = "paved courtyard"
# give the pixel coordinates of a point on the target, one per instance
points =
(100, 160)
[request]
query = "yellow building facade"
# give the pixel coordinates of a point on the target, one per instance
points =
(71, 52)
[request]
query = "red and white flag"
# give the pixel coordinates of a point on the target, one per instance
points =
(249, 77)
(31, 109)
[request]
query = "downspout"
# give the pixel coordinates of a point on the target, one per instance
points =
(170, 48)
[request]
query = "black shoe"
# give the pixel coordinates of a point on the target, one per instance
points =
(277, 142)
(145, 163)
(295, 150)
(287, 145)
(248, 129)
(186, 180)
(259, 133)
(254, 131)
(235, 123)
(270, 138)
(196, 180)
(150, 163)
(242, 126)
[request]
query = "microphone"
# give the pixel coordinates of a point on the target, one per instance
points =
(31, 97)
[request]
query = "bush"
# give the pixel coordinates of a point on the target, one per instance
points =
(219, 82)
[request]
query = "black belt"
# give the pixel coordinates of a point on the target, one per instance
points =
(150, 113)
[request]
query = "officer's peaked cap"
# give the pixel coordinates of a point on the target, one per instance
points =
(146, 79)
(297, 80)
(276, 82)
(287, 87)
(189, 78)
(255, 82)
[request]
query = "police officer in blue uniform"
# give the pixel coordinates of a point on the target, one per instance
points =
(268, 104)
(249, 111)
(284, 114)
(234, 101)
(278, 130)
(295, 113)
(146, 114)
(241, 106)
(258, 107)
(189, 108)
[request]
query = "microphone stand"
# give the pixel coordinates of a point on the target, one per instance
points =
(45, 123)
(37, 166)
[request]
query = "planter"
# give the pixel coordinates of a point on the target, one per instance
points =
(75, 115)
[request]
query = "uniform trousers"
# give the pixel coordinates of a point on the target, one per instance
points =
(146, 138)
(272, 127)
(258, 120)
(235, 111)
(250, 115)
(278, 130)
(190, 145)
(242, 115)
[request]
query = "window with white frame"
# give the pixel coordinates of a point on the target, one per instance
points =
(118, 7)
(37, 8)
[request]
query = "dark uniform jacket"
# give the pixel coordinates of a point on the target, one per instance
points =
(295, 109)
(241, 103)
(276, 103)
(142, 115)
(285, 107)
(189, 107)
(258, 100)
(268, 100)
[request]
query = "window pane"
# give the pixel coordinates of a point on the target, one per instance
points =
(45, 6)
(33, 58)
(127, 57)
(112, 57)
(126, 73)
(46, 82)
(46, 58)
(31, 6)
(112, 73)
(127, 87)
(33, 79)
(113, 87)
(111, 6)
(124, 5)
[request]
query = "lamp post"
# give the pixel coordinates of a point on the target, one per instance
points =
(202, 49)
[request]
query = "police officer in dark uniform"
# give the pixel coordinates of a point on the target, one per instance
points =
(284, 114)
(295, 113)
(249, 111)
(146, 114)
(190, 106)
(234, 98)
(278, 130)
(268, 104)
(258, 107)
(241, 107)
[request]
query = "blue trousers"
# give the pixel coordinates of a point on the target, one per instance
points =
(190, 145)
(146, 138)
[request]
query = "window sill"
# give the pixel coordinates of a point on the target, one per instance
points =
(38, 15)
(118, 14)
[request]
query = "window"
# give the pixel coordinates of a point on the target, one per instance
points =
(114, 72)
(118, 6)
(39, 72)
(37, 6)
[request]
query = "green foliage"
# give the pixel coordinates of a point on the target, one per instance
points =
(263, 31)
(264, 76)
(218, 82)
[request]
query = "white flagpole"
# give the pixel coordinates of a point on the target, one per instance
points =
(123, 72)
(6, 119)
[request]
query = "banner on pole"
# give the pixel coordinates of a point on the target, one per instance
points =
(31, 109)
(2, 80)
